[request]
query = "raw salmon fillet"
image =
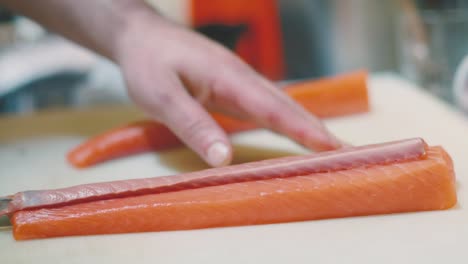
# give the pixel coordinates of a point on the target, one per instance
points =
(342, 159)
(416, 185)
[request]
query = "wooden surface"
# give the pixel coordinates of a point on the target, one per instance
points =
(59, 122)
(399, 110)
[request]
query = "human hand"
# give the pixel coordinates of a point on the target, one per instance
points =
(175, 75)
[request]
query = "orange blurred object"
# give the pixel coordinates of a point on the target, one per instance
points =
(261, 44)
(334, 96)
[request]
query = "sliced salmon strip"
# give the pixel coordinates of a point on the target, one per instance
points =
(417, 185)
(362, 156)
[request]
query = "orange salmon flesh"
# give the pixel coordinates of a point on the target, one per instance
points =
(417, 185)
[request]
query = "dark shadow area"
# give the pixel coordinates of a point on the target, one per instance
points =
(227, 35)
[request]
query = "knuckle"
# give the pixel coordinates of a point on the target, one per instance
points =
(231, 62)
(160, 100)
(219, 84)
(163, 98)
(223, 89)
(197, 130)
(273, 118)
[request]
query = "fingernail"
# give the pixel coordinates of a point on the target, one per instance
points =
(218, 154)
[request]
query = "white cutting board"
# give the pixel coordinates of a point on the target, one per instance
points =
(399, 110)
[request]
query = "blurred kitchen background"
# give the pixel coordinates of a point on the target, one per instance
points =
(424, 41)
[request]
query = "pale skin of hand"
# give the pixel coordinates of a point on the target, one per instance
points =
(176, 75)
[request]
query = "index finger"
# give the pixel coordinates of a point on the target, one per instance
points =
(272, 108)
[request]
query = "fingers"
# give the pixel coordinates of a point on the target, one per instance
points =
(237, 88)
(295, 115)
(275, 111)
(193, 125)
(171, 104)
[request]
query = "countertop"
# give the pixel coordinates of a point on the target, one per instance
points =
(32, 157)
